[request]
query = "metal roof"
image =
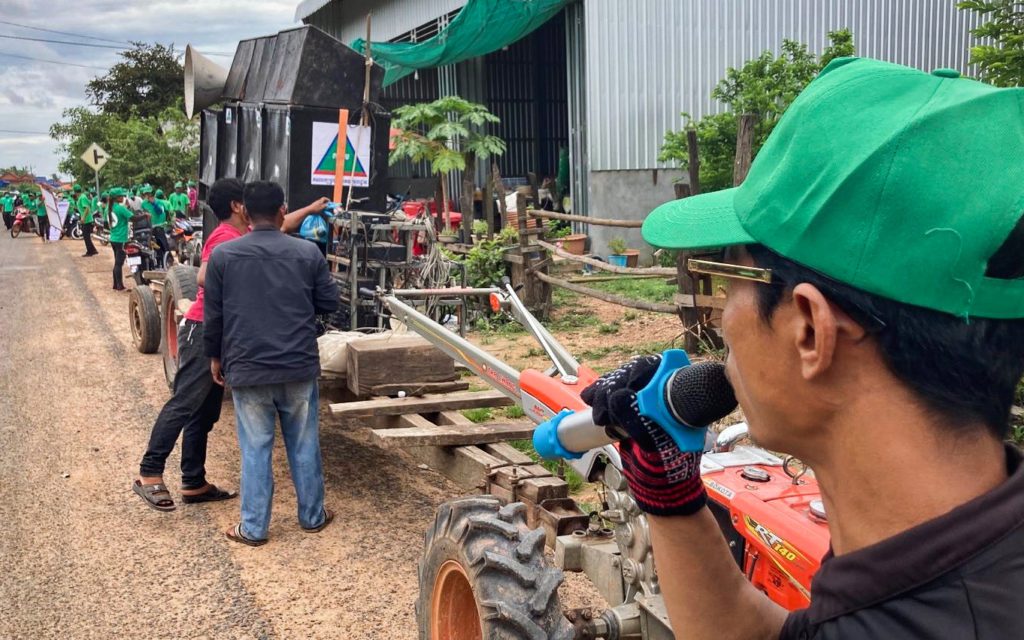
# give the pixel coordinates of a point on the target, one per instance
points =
(307, 8)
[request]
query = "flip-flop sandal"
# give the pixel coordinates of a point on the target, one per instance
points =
(328, 519)
(235, 535)
(213, 494)
(155, 495)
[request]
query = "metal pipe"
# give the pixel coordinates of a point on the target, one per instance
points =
(453, 291)
(495, 372)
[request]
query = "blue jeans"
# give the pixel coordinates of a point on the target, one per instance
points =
(256, 410)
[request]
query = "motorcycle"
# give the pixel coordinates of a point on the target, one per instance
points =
(23, 221)
(73, 226)
(186, 239)
(143, 252)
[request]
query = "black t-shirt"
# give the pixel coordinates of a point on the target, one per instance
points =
(960, 575)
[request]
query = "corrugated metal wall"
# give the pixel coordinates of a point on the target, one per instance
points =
(346, 19)
(647, 64)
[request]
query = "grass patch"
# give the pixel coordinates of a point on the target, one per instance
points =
(574, 319)
(514, 411)
(606, 329)
(649, 289)
(535, 352)
(557, 467)
(483, 414)
(625, 350)
(630, 316)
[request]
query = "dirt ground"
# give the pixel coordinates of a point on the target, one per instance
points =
(82, 557)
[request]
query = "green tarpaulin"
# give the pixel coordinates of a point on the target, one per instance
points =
(481, 27)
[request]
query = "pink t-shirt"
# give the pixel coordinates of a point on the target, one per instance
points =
(223, 233)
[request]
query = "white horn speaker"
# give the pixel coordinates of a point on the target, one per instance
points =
(204, 81)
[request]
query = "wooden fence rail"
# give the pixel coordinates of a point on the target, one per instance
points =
(602, 222)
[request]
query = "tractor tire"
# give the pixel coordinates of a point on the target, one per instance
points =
(179, 284)
(484, 575)
(144, 318)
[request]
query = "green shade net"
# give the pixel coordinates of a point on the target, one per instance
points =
(481, 27)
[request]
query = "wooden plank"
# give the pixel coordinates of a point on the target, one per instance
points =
(426, 404)
(642, 305)
(449, 435)
(505, 451)
(637, 271)
(603, 222)
(537, 490)
(453, 418)
(418, 388)
(467, 466)
(396, 360)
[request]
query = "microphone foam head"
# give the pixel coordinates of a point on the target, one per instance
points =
(700, 394)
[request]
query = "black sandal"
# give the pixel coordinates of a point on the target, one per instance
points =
(328, 519)
(213, 494)
(234, 534)
(155, 495)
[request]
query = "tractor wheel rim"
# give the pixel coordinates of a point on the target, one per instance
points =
(453, 610)
(172, 334)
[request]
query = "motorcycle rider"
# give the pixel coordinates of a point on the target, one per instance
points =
(875, 325)
(158, 218)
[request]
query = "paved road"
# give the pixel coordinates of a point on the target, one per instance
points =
(81, 557)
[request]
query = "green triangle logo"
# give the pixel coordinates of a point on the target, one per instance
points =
(328, 163)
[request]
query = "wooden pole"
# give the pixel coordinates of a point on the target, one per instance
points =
(691, 146)
(499, 188)
(604, 266)
(658, 307)
(339, 154)
(489, 206)
(744, 148)
(601, 222)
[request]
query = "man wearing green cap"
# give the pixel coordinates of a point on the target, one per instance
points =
(875, 256)
(119, 217)
(7, 206)
(84, 204)
(158, 218)
(41, 218)
(179, 200)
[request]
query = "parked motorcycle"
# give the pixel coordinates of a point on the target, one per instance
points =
(143, 252)
(73, 226)
(23, 221)
(186, 240)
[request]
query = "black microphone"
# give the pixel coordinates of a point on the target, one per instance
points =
(681, 398)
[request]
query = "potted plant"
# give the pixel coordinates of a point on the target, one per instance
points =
(447, 235)
(617, 249)
(632, 257)
(479, 230)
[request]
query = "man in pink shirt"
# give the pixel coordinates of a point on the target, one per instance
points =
(194, 407)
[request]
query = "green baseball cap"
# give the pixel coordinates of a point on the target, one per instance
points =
(117, 192)
(894, 181)
(77, 187)
(159, 193)
(178, 185)
(146, 189)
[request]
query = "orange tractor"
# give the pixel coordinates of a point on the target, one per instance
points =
(484, 571)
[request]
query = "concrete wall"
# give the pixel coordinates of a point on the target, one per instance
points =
(627, 195)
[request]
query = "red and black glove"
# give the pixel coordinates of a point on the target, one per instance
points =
(664, 480)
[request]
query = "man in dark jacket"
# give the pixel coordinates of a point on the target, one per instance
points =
(263, 292)
(875, 324)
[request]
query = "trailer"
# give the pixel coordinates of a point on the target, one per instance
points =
(156, 311)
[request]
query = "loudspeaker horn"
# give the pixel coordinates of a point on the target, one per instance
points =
(204, 81)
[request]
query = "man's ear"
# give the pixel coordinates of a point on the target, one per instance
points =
(818, 326)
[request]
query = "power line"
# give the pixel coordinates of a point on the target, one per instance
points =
(63, 33)
(76, 44)
(66, 64)
(27, 133)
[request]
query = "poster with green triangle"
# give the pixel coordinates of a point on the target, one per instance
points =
(324, 154)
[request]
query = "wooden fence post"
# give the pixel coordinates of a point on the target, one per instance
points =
(694, 168)
(489, 206)
(536, 293)
(744, 148)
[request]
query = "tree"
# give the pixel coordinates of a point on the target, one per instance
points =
(763, 87)
(157, 150)
(146, 82)
(450, 133)
(1001, 59)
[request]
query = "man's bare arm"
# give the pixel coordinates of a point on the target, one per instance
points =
(706, 594)
(293, 220)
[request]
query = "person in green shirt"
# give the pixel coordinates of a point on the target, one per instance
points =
(119, 217)
(179, 199)
(85, 206)
(7, 204)
(44, 222)
(158, 218)
(163, 202)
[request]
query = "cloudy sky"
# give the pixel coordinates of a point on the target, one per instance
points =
(33, 94)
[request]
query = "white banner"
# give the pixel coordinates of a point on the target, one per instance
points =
(56, 213)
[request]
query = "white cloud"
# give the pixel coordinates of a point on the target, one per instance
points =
(34, 94)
